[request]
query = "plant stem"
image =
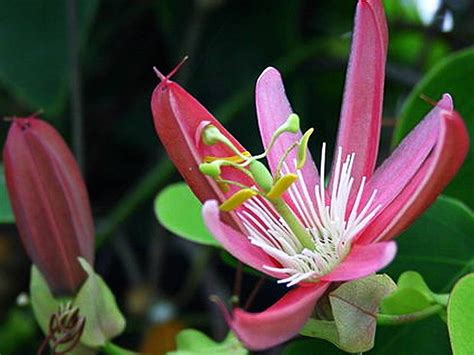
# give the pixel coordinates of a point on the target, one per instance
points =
(391, 319)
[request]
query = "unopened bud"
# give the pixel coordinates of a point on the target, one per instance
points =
(50, 203)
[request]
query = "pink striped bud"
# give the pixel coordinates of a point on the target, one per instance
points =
(50, 203)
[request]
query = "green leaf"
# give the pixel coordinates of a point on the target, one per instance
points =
(412, 295)
(403, 301)
(97, 304)
(439, 246)
(34, 46)
(461, 316)
(179, 211)
(42, 300)
(193, 342)
(6, 213)
(354, 307)
(448, 76)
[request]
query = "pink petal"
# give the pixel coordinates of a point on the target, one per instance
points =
(273, 110)
(280, 322)
(235, 242)
(362, 261)
(405, 161)
(178, 119)
(359, 127)
(421, 189)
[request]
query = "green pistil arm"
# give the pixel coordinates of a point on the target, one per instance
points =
(300, 232)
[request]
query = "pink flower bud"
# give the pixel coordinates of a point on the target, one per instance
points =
(50, 202)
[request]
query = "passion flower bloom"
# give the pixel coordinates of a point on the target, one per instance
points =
(286, 222)
(50, 203)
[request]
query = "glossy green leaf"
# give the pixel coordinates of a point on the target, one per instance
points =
(97, 304)
(448, 76)
(461, 316)
(354, 307)
(193, 342)
(179, 211)
(6, 213)
(34, 46)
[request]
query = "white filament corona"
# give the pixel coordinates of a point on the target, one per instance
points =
(330, 225)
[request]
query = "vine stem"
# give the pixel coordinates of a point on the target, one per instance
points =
(391, 319)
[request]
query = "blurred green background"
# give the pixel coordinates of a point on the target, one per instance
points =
(87, 66)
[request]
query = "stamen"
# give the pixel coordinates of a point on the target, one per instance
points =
(281, 185)
(322, 216)
(237, 199)
(234, 158)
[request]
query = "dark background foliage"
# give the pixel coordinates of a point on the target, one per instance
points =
(87, 65)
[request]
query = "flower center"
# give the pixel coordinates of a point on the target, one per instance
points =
(308, 233)
(330, 225)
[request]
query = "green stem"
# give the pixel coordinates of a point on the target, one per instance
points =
(441, 299)
(391, 319)
(300, 232)
(112, 349)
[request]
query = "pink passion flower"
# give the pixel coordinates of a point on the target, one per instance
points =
(286, 222)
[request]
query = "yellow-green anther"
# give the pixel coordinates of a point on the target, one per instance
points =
(261, 175)
(281, 185)
(237, 199)
(302, 149)
(211, 169)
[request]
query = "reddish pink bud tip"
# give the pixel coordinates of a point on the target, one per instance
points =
(164, 78)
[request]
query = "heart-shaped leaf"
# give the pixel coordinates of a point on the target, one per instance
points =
(179, 211)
